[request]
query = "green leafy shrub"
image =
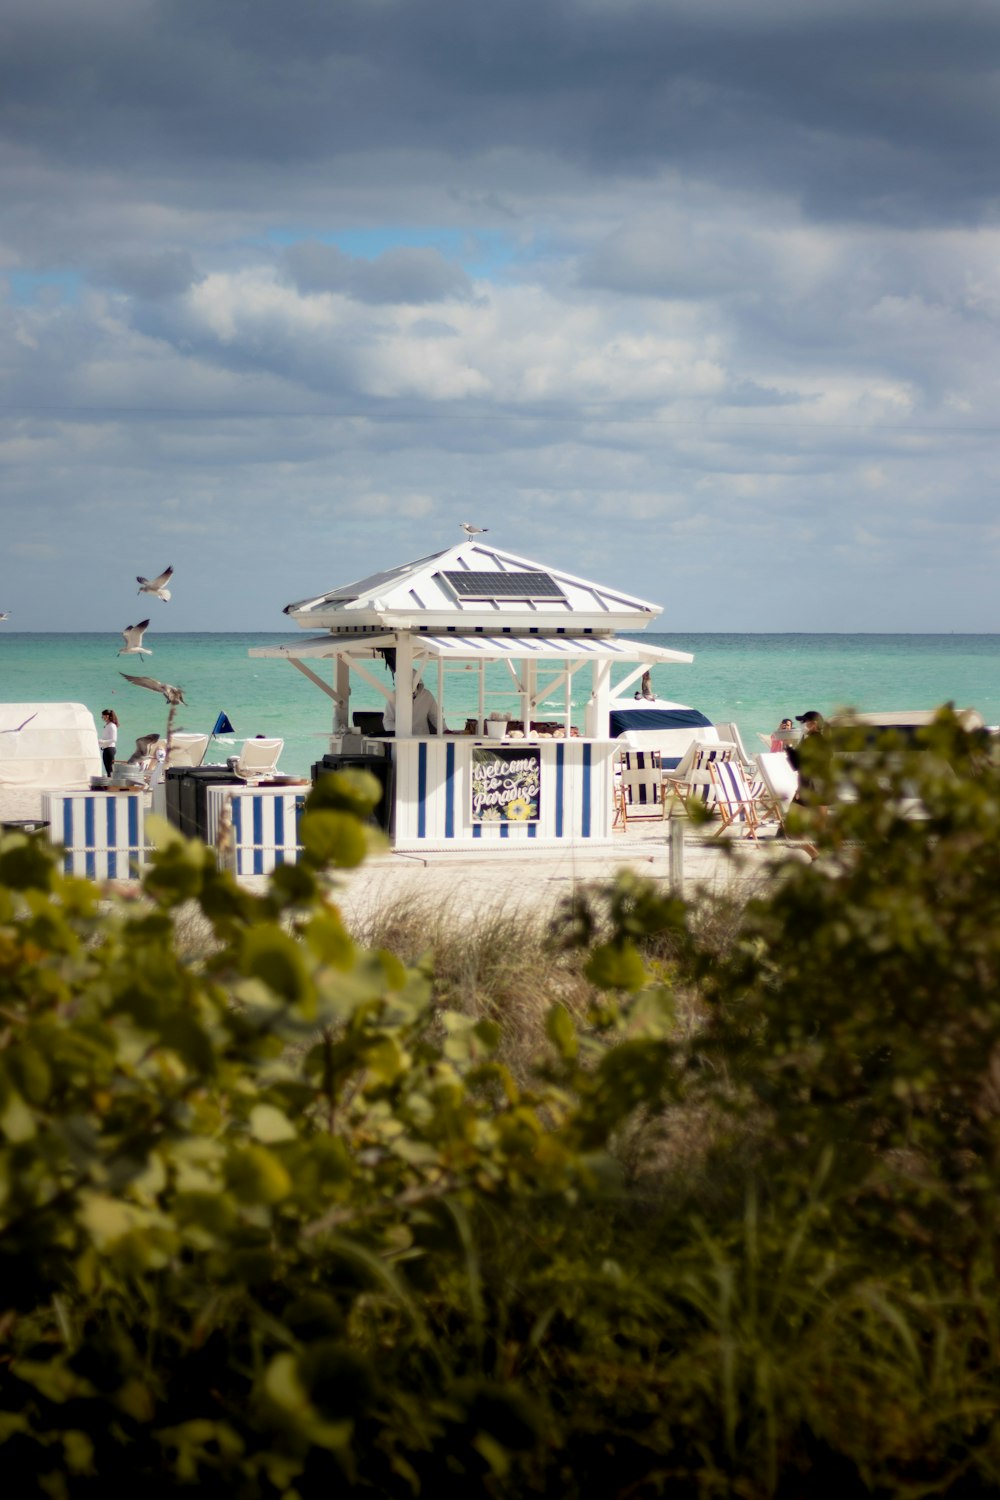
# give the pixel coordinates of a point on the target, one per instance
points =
(273, 1223)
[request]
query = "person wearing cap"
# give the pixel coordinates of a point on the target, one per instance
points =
(813, 747)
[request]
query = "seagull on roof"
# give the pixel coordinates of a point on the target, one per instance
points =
(471, 530)
(157, 586)
(132, 636)
(173, 695)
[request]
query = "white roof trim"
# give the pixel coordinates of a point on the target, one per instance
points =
(449, 647)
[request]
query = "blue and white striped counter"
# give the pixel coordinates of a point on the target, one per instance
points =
(265, 824)
(103, 833)
(433, 795)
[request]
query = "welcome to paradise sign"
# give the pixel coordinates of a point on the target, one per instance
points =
(506, 785)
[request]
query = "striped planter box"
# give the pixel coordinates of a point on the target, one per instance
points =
(265, 825)
(103, 833)
(433, 802)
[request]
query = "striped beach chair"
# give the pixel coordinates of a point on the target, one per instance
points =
(740, 802)
(638, 786)
(691, 781)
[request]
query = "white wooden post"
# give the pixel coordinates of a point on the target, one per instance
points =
(599, 706)
(342, 702)
(675, 868)
(404, 686)
(527, 694)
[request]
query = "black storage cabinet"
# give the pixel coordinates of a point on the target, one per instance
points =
(380, 766)
(187, 797)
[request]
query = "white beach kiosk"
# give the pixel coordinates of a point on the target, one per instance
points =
(459, 611)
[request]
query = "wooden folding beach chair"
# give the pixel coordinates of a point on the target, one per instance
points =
(638, 786)
(740, 802)
(691, 781)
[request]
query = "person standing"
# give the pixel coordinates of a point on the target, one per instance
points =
(810, 756)
(425, 713)
(109, 739)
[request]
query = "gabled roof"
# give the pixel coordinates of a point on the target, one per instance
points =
(473, 587)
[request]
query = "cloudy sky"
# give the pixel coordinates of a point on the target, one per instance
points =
(695, 297)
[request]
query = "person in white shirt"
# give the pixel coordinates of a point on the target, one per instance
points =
(108, 741)
(425, 713)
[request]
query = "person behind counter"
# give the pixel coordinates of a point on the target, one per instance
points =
(425, 713)
(108, 741)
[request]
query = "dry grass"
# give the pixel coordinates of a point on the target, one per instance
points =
(505, 966)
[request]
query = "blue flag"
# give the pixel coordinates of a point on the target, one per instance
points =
(223, 726)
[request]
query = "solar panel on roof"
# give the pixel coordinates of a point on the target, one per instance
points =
(483, 585)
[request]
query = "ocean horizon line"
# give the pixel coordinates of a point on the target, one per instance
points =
(626, 634)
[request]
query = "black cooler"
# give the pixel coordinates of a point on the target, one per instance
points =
(380, 766)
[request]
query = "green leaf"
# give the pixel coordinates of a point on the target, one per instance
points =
(616, 966)
(53, 1378)
(16, 1120)
(333, 838)
(276, 958)
(269, 1125)
(561, 1032)
(351, 791)
(255, 1175)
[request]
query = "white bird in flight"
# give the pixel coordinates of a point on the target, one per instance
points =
(4, 614)
(16, 728)
(172, 694)
(157, 586)
(471, 530)
(132, 636)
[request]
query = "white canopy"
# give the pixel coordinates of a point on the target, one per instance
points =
(52, 745)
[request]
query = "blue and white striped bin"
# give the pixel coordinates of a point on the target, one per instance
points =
(103, 833)
(265, 825)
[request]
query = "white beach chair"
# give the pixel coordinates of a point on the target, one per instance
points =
(731, 733)
(257, 760)
(781, 782)
(187, 749)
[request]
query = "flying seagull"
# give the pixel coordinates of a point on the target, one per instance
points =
(16, 728)
(471, 530)
(173, 695)
(4, 614)
(132, 636)
(157, 586)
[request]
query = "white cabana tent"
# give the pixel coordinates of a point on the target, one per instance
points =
(47, 745)
(460, 611)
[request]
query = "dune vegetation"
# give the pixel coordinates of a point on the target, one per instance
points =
(674, 1198)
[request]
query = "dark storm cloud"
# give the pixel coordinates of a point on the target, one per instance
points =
(887, 110)
(412, 275)
(152, 274)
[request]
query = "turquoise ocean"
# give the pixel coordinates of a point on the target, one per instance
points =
(755, 680)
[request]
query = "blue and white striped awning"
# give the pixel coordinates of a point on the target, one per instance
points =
(472, 648)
